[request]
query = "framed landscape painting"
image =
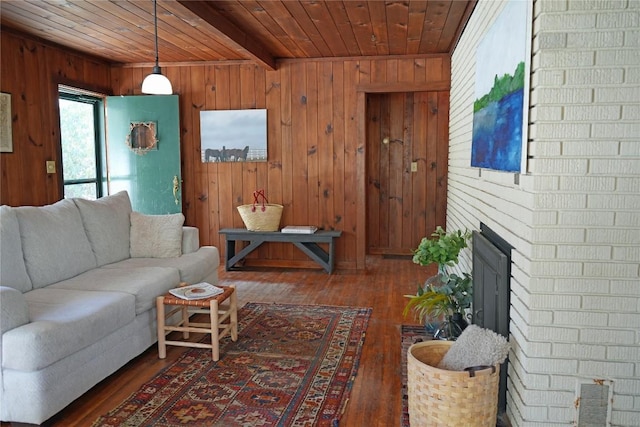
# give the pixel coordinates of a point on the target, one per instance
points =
(500, 110)
(6, 137)
(233, 135)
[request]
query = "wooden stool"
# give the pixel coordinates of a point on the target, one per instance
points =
(217, 326)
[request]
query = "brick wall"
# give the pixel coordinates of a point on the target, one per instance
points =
(574, 216)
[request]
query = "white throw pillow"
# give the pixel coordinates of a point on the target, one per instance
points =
(106, 222)
(156, 236)
(476, 346)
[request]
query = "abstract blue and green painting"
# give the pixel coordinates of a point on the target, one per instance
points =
(497, 141)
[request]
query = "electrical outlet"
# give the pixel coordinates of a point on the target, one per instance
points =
(414, 166)
(51, 166)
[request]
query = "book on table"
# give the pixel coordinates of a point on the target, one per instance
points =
(299, 229)
(196, 291)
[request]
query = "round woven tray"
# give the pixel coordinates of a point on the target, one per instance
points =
(438, 397)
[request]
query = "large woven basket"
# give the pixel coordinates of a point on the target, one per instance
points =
(257, 219)
(439, 397)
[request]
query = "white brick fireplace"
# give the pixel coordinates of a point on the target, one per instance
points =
(573, 218)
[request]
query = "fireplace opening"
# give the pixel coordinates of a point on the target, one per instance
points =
(491, 290)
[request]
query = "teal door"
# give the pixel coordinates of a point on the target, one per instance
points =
(147, 168)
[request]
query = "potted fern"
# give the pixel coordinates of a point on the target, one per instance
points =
(443, 297)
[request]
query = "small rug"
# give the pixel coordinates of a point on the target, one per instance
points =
(411, 334)
(292, 365)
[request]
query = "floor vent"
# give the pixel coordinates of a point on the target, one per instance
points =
(594, 405)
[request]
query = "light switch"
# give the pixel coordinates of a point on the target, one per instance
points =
(414, 166)
(51, 166)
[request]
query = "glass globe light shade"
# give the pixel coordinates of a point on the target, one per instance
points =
(156, 84)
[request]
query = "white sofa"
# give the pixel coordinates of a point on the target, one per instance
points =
(78, 282)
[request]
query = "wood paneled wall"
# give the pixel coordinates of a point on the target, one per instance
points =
(316, 133)
(316, 146)
(31, 71)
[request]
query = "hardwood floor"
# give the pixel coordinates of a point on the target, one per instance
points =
(375, 398)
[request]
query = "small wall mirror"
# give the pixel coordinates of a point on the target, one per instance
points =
(142, 137)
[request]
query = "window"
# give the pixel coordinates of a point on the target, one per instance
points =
(81, 133)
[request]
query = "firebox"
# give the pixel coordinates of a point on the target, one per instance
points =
(491, 290)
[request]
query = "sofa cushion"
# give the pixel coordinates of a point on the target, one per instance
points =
(156, 236)
(144, 283)
(13, 272)
(190, 239)
(14, 311)
(106, 222)
(193, 267)
(63, 322)
(54, 242)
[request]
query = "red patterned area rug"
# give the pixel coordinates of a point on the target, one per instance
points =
(292, 365)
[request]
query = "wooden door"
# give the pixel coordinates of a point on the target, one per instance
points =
(407, 152)
(151, 176)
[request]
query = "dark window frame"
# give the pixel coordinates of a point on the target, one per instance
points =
(98, 126)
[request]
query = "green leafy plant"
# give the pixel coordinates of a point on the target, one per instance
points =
(454, 295)
(441, 248)
(444, 294)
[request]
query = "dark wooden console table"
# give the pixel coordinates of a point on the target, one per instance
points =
(307, 243)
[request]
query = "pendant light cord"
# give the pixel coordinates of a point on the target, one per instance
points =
(155, 83)
(155, 24)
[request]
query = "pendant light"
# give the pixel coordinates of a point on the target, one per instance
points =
(155, 83)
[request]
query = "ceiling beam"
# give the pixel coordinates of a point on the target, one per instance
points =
(230, 35)
(462, 24)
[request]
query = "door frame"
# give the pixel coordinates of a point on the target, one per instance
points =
(361, 160)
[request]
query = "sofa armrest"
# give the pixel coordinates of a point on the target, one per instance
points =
(190, 239)
(14, 310)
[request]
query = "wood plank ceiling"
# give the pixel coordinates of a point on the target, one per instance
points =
(122, 31)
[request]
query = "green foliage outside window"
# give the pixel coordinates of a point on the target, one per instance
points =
(78, 147)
